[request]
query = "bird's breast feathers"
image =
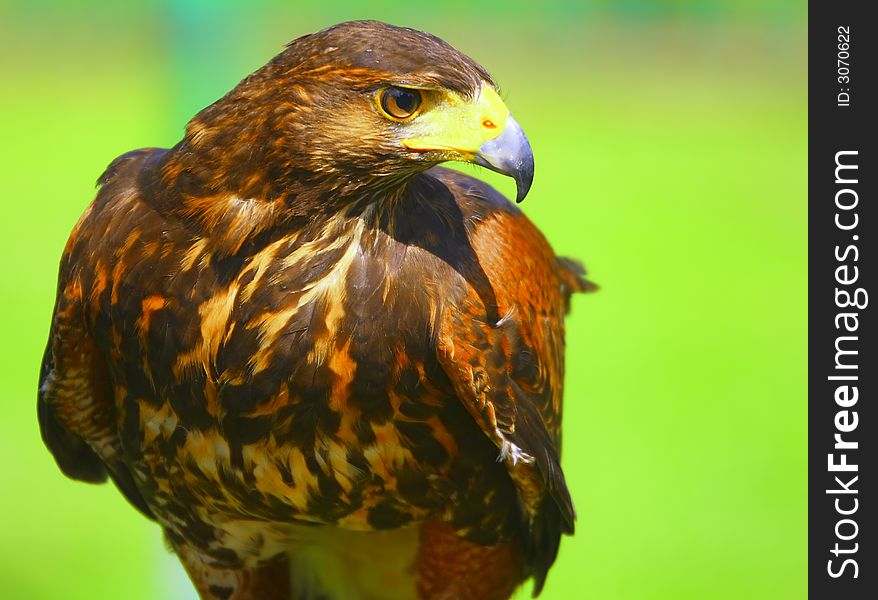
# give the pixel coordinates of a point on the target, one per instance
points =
(299, 378)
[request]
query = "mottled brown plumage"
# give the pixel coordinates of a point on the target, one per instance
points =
(303, 348)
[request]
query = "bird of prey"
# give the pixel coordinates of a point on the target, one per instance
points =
(325, 366)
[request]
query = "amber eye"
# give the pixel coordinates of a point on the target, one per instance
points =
(400, 103)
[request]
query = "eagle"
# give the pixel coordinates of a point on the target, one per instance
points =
(324, 365)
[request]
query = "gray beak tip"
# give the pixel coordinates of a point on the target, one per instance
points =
(524, 177)
(510, 154)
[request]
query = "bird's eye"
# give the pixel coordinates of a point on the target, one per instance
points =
(400, 103)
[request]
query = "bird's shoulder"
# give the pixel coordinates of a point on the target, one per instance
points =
(503, 235)
(121, 209)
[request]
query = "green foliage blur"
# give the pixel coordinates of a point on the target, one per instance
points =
(670, 140)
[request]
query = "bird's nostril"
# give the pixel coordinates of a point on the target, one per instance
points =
(489, 124)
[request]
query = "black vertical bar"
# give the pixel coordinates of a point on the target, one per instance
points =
(843, 225)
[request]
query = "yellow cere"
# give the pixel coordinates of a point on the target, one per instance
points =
(459, 125)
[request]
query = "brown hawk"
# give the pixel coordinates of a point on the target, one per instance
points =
(326, 367)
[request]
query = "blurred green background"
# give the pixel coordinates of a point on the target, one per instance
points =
(670, 139)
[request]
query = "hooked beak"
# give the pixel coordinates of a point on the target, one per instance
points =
(509, 153)
(480, 131)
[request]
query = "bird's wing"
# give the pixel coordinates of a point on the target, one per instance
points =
(76, 409)
(507, 367)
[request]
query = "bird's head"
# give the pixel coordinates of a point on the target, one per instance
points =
(356, 108)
